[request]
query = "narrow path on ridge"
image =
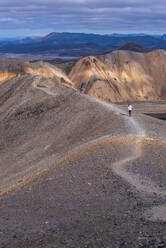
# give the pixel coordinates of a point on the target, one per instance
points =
(137, 132)
(118, 167)
(140, 136)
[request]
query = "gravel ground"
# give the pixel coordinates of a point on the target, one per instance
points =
(82, 201)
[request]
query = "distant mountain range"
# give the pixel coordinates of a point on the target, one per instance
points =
(81, 44)
(7, 41)
(162, 36)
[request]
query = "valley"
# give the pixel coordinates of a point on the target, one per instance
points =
(37, 57)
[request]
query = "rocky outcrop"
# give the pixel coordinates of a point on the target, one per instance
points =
(10, 68)
(123, 75)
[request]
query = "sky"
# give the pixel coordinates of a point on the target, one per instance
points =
(40, 17)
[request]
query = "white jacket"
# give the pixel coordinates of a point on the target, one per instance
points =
(130, 107)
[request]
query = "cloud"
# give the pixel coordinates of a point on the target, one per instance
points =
(84, 15)
(8, 19)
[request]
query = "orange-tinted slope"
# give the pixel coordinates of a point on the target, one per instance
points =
(10, 68)
(123, 75)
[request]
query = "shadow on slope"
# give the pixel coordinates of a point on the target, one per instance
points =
(41, 121)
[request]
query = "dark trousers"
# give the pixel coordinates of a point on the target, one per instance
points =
(129, 112)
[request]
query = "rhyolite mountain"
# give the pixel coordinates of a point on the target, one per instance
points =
(13, 68)
(121, 75)
(117, 76)
(80, 44)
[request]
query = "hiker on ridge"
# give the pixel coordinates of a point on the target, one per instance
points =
(130, 109)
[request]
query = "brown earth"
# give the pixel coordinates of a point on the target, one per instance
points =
(123, 75)
(10, 68)
(77, 172)
(118, 76)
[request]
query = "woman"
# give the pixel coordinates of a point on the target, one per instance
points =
(130, 109)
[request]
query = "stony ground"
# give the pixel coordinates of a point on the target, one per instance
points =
(95, 180)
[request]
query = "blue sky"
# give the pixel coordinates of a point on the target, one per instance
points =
(40, 17)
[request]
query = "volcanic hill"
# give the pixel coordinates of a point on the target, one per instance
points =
(122, 75)
(76, 171)
(118, 76)
(11, 68)
(134, 47)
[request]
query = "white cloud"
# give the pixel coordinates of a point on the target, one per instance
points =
(118, 15)
(8, 19)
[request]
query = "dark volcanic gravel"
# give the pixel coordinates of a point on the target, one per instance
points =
(80, 202)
